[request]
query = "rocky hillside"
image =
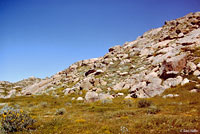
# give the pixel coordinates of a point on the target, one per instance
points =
(8, 89)
(159, 59)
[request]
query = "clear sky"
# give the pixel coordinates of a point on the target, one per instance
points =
(41, 37)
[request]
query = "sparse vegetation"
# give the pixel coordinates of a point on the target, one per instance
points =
(153, 110)
(144, 103)
(44, 104)
(60, 111)
(157, 114)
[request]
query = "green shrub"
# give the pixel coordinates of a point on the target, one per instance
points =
(44, 104)
(144, 103)
(13, 120)
(106, 101)
(128, 102)
(60, 111)
(153, 110)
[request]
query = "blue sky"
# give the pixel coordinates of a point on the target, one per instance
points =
(41, 37)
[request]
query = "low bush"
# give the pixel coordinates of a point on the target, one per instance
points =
(144, 103)
(60, 111)
(153, 110)
(13, 120)
(44, 104)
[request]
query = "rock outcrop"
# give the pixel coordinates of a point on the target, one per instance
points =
(159, 59)
(8, 89)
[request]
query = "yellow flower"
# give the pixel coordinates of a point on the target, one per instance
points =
(80, 120)
(4, 115)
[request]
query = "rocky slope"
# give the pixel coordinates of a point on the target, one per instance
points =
(8, 89)
(159, 59)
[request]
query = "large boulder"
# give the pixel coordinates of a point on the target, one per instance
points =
(103, 96)
(146, 52)
(68, 91)
(172, 66)
(198, 65)
(80, 99)
(12, 93)
(196, 73)
(191, 67)
(115, 48)
(171, 82)
(127, 86)
(2, 91)
(102, 82)
(153, 78)
(185, 81)
(119, 86)
(91, 96)
(90, 72)
(86, 84)
(170, 96)
(137, 87)
(152, 90)
(140, 94)
(153, 85)
(99, 72)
